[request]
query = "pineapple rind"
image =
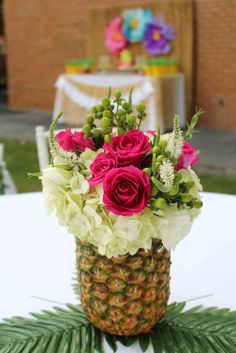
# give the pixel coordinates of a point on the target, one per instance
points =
(125, 295)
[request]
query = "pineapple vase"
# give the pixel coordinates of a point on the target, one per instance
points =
(125, 295)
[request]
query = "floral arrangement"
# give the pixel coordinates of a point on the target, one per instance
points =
(139, 25)
(119, 188)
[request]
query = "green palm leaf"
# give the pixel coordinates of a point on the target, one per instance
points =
(67, 330)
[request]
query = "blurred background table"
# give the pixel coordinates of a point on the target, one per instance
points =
(163, 96)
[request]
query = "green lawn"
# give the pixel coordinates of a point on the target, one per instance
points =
(21, 158)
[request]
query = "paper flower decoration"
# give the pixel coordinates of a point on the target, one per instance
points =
(115, 41)
(135, 22)
(158, 36)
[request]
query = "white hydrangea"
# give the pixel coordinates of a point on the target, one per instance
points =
(190, 175)
(79, 184)
(81, 210)
(87, 157)
(174, 224)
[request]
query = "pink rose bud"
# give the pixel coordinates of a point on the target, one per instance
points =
(71, 142)
(188, 157)
(126, 190)
(130, 147)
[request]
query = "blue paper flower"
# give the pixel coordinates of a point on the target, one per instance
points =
(135, 22)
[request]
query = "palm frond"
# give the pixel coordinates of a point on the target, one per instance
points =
(63, 330)
(67, 330)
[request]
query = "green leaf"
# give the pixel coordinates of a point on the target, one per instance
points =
(67, 330)
(188, 134)
(144, 341)
(110, 341)
(34, 175)
(126, 341)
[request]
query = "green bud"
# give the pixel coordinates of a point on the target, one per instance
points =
(107, 138)
(87, 128)
(163, 144)
(121, 112)
(148, 171)
(107, 130)
(186, 198)
(160, 203)
(107, 113)
(154, 190)
(189, 185)
(125, 106)
(105, 102)
(90, 119)
(178, 177)
(160, 158)
(197, 203)
(158, 164)
(131, 119)
(94, 109)
(120, 131)
(121, 118)
(105, 122)
(100, 108)
(140, 107)
(174, 190)
(156, 150)
(117, 94)
(96, 132)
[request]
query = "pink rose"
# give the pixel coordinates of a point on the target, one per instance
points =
(126, 190)
(130, 147)
(70, 141)
(101, 165)
(188, 157)
(81, 141)
(65, 141)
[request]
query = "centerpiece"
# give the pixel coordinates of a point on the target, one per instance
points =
(128, 197)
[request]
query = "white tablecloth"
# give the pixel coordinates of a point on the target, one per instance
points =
(164, 96)
(37, 257)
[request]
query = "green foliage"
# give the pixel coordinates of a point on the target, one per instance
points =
(67, 330)
(117, 113)
(20, 157)
(189, 133)
(2, 185)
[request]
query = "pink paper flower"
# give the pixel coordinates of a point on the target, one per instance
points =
(71, 142)
(101, 165)
(130, 147)
(115, 42)
(188, 157)
(126, 190)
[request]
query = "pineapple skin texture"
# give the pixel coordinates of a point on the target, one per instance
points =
(125, 295)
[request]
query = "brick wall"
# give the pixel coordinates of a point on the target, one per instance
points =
(215, 65)
(43, 35)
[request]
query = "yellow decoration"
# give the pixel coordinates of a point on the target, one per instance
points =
(156, 35)
(134, 23)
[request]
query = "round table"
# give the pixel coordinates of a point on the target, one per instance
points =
(37, 259)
